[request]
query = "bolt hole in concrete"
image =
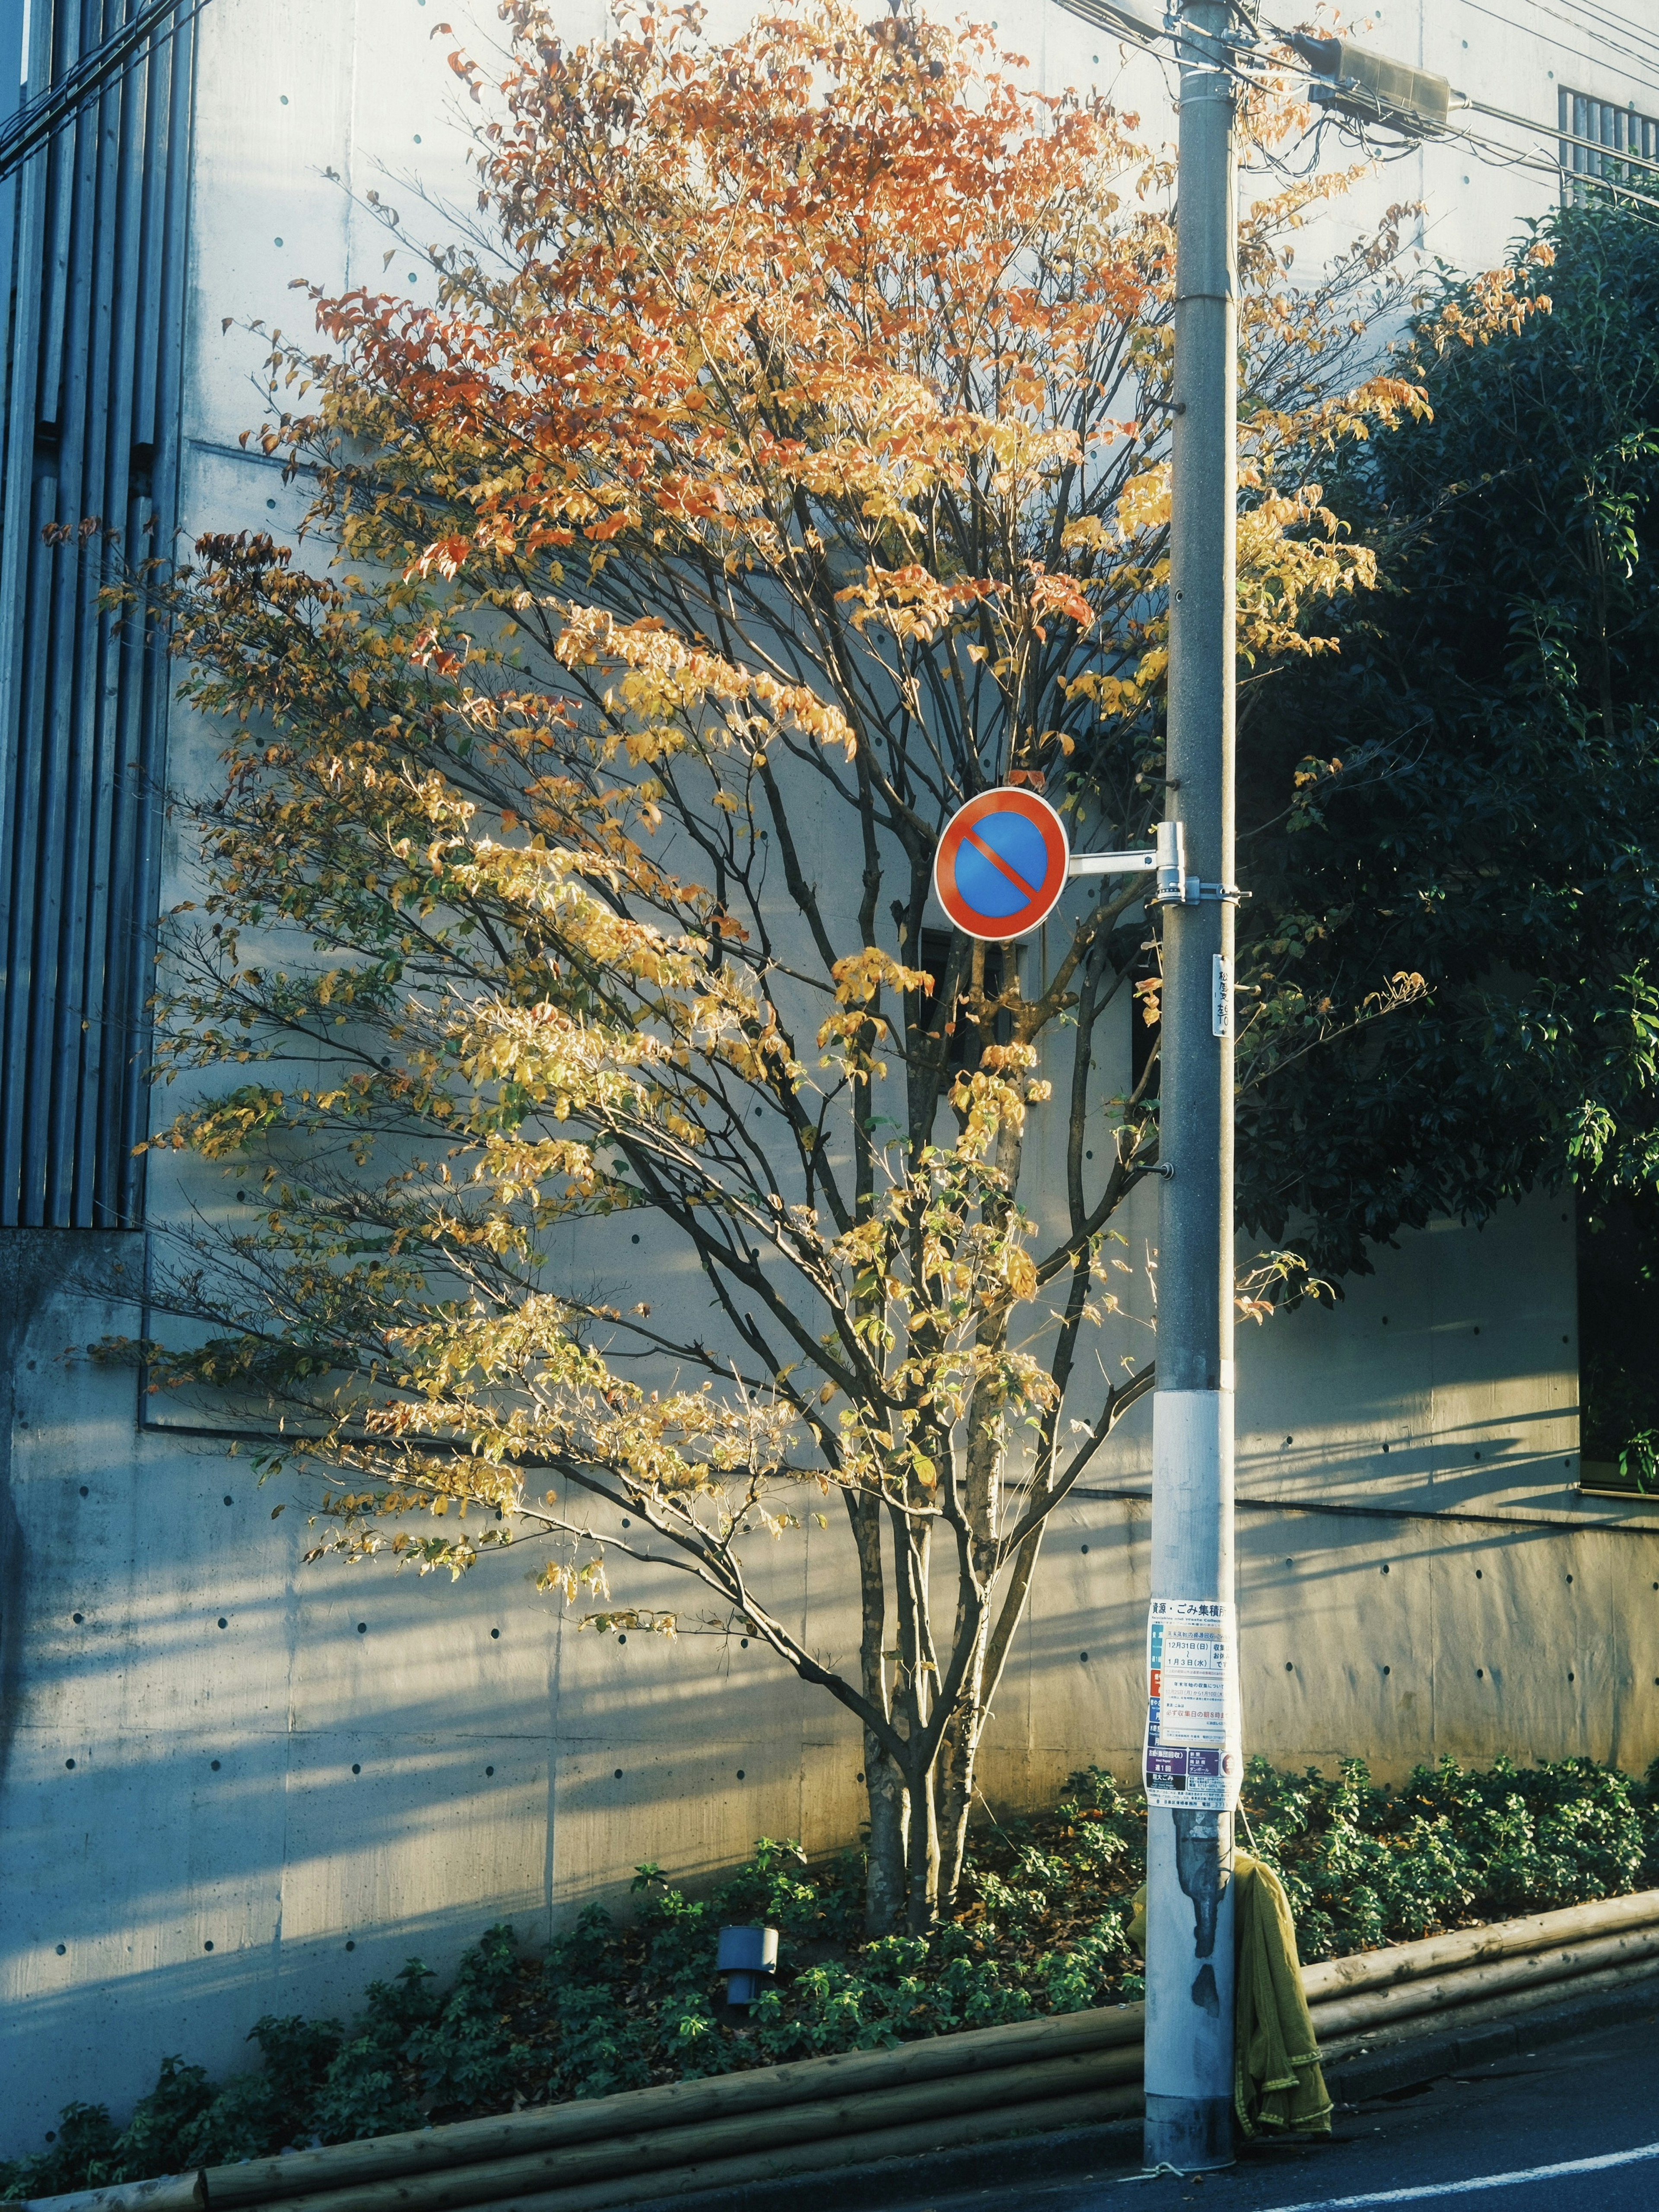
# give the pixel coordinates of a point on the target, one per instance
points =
(740, 1774)
(495, 1635)
(362, 1628)
(1388, 1670)
(69, 1762)
(223, 1623)
(77, 1618)
(489, 1771)
(617, 1776)
(229, 1500)
(85, 1492)
(357, 1770)
(62, 1948)
(1480, 1673)
(1385, 1568)
(352, 1943)
(1083, 1658)
(207, 1947)
(213, 1764)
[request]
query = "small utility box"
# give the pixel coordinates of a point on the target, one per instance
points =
(748, 1957)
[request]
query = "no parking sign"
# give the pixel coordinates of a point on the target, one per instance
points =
(1001, 864)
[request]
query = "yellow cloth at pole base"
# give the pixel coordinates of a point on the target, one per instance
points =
(1278, 2086)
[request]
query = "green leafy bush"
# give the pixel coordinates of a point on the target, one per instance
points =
(612, 2005)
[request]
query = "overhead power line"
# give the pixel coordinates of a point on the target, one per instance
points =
(1644, 63)
(40, 119)
(1127, 22)
(1618, 154)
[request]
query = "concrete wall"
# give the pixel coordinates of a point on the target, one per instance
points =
(232, 1785)
(285, 1780)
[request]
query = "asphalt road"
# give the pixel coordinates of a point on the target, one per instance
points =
(1507, 2137)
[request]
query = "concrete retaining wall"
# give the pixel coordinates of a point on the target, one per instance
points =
(236, 1786)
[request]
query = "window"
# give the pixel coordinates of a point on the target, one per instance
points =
(963, 1040)
(1588, 127)
(1618, 1333)
(93, 229)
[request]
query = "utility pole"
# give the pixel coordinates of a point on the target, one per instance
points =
(1194, 1751)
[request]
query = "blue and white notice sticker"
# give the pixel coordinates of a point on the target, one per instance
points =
(1194, 1755)
(1221, 997)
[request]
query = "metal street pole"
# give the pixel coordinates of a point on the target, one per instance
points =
(1192, 1745)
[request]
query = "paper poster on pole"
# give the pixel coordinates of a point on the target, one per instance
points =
(1194, 1755)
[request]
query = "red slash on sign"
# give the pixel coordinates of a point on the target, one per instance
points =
(1001, 864)
(989, 852)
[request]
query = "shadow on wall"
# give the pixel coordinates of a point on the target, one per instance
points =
(30, 1261)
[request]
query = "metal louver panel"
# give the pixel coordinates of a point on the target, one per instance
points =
(1631, 140)
(96, 227)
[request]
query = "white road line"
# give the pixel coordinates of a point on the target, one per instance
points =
(1481, 2181)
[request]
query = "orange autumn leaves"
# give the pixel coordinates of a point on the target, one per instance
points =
(824, 268)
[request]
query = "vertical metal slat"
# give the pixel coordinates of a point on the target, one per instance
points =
(95, 357)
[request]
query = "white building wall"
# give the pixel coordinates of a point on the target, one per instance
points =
(231, 1785)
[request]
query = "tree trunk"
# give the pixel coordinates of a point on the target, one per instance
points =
(885, 1878)
(922, 1903)
(884, 1784)
(958, 1769)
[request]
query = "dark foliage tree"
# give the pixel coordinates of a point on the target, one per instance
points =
(1470, 790)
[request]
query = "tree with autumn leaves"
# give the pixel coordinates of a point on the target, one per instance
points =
(784, 461)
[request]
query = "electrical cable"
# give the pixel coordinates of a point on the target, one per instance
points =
(1554, 136)
(1508, 157)
(1565, 138)
(1597, 33)
(1609, 21)
(50, 112)
(1103, 15)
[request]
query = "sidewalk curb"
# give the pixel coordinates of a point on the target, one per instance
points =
(1083, 2154)
(1414, 2064)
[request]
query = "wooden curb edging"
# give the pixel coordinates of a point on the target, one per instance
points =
(1069, 2071)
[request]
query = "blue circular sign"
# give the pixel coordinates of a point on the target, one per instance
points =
(1001, 864)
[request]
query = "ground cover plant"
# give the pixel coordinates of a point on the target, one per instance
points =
(616, 2004)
